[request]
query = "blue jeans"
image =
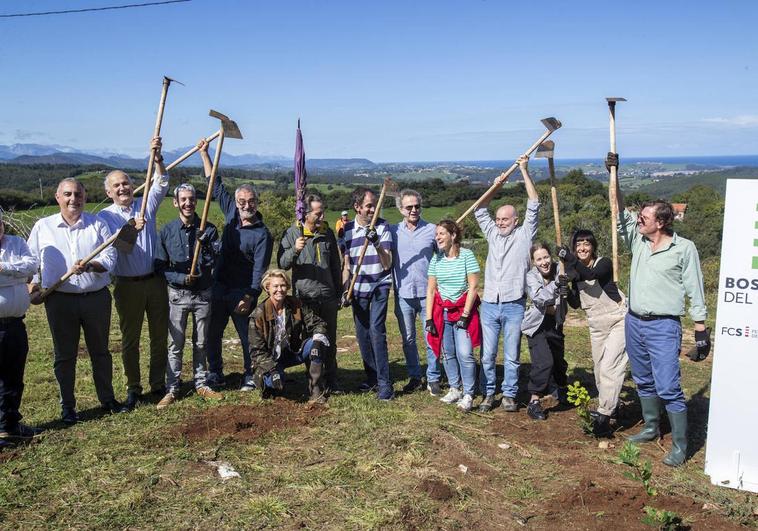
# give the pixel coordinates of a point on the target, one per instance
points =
(406, 311)
(653, 348)
(290, 359)
(370, 317)
(182, 303)
(505, 316)
(223, 303)
(458, 357)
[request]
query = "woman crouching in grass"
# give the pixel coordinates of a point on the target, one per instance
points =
(452, 320)
(543, 326)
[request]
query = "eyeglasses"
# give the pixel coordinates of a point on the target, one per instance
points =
(412, 207)
(251, 202)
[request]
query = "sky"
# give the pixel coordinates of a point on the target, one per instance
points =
(388, 81)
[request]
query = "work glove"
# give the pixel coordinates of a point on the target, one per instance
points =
(372, 236)
(345, 300)
(430, 328)
(702, 345)
(566, 255)
(562, 284)
(316, 349)
(204, 236)
(189, 280)
(611, 161)
(462, 322)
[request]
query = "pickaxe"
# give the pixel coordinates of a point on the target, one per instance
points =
(551, 124)
(228, 129)
(546, 151)
(612, 187)
(389, 187)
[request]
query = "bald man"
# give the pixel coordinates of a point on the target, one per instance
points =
(137, 290)
(504, 299)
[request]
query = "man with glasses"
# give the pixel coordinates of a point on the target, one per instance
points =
(310, 250)
(413, 245)
(246, 247)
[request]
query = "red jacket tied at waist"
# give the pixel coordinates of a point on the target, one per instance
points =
(454, 311)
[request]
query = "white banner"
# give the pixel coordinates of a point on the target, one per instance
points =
(731, 456)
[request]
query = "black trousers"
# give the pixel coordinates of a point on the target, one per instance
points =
(548, 364)
(14, 347)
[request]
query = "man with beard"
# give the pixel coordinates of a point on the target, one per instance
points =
(310, 249)
(504, 299)
(246, 247)
(137, 290)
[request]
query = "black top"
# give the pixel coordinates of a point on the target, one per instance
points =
(601, 270)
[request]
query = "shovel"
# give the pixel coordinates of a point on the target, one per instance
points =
(551, 124)
(228, 128)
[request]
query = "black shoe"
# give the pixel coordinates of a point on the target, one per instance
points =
(20, 432)
(434, 388)
(132, 399)
(158, 392)
(487, 404)
(367, 387)
(535, 411)
(114, 406)
(69, 416)
(414, 384)
(601, 425)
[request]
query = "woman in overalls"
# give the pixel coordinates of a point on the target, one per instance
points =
(593, 288)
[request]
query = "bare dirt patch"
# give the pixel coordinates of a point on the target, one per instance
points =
(437, 490)
(247, 423)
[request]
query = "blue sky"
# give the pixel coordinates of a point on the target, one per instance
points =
(390, 81)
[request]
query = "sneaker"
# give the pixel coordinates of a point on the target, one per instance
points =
(452, 396)
(386, 395)
(466, 403)
(414, 384)
(208, 394)
(509, 404)
(166, 401)
(248, 383)
(21, 432)
(69, 416)
(367, 387)
(535, 411)
(434, 388)
(487, 404)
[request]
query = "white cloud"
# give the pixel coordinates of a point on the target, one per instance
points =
(743, 120)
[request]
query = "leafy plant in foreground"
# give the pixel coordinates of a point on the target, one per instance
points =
(579, 397)
(662, 519)
(629, 455)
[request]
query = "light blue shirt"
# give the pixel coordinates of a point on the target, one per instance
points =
(139, 261)
(411, 252)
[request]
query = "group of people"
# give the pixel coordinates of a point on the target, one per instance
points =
(187, 268)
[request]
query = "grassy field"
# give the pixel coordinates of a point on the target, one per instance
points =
(358, 463)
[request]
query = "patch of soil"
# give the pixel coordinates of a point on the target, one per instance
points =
(247, 423)
(437, 490)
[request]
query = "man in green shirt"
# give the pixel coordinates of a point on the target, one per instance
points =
(665, 269)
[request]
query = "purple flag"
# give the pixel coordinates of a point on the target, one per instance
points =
(301, 176)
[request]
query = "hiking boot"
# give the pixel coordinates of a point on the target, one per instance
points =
(207, 393)
(509, 404)
(167, 400)
(452, 396)
(276, 382)
(20, 432)
(535, 411)
(114, 406)
(678, 453)
(414, 384)
(651, 412)
(248, 383)
(601, 425)
(466, 403)
(69, 416)
(487, 404)
(434, 388)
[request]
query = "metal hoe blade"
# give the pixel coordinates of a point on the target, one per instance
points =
(551, 123)
(231, 130)
(614, 100)
(545, 150)
(126, 238)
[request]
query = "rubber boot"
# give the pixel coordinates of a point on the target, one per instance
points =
(601, 426)
(316, 384)
(678, 453)
(651, 412)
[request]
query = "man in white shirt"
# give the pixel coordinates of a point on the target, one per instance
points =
(137, 290)
(16, 265)
(83, 302)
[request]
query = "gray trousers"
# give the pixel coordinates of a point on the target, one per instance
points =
(182, 303)
(67, 315)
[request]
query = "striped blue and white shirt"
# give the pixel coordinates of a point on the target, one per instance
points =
(372, 275)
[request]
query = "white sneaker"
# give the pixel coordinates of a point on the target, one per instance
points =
(452, 396)
(466, 403)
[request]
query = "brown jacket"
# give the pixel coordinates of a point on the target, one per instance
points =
(300, 325)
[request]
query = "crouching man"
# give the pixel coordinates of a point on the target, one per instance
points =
(285, 333)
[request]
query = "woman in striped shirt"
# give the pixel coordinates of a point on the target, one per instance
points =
(452, 320)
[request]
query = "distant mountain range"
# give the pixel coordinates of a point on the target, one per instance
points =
(55, 154)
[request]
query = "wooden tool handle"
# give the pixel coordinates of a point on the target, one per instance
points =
(156, 132)
(612, 197)
(507, 172)
(365, 242)
(208, 199)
